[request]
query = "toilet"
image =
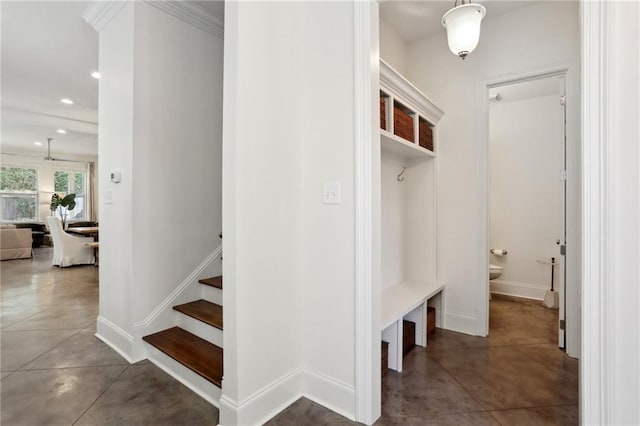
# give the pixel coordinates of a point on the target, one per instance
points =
(494, 271)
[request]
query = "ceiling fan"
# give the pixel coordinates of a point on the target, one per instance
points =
(50, 158)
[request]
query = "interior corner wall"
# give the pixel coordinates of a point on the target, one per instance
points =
(115, 151)
(526, 195)
(262, 169)
(393, 49)
(177, 153)
(528, 40)
(329, 229)
(289, 258)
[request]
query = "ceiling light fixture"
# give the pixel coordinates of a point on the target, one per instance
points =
(463, 27)
(66, 101)
(61, 131)
(95, 75)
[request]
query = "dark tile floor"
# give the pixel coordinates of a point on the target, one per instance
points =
(517, 376)
(54, 370)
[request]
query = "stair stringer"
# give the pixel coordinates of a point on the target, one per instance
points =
(163, 316)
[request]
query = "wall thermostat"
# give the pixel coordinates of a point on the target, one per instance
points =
(115, 177)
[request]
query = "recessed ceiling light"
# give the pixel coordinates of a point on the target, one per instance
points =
(95, 75)
(61, 131)
(38, 143)
(66, 101)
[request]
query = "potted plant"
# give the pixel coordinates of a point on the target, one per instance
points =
(63, 205)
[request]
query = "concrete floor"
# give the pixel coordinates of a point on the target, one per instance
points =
(54, 371)
(517, 376)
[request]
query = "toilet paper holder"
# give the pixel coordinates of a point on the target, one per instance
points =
(499, 252)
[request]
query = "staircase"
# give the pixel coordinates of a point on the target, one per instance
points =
(192, 350)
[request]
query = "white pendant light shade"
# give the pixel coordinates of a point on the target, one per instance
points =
(463, 28)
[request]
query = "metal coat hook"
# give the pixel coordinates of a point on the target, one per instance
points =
(400, 177)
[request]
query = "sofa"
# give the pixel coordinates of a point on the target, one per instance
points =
(15, 243)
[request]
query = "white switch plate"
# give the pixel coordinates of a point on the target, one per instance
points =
(331, 193)
(108, 197)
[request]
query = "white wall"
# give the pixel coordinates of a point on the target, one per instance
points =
(526, 158)
(393, 216)
(609, 368)
(515, 43)
(328, 268)
(177, 152)
(115, 150)
(160, 126)
(262, 191)
(393, 49)
(288, 260)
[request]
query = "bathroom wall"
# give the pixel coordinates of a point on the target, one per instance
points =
(525, 195)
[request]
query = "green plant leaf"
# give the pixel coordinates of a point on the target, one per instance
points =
(68, 200)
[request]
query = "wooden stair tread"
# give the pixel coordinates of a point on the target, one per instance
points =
(202, 310)
(197, 354)
(213, 282)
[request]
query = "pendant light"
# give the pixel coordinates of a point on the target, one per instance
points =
(463, 27)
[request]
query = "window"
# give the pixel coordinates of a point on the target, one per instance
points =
(72, 182)
(19, 194)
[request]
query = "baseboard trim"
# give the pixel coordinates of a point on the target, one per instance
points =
(258, 408)
(522, 290)
(330, 393)
(460, 323)
(118, 340)
(281, 393)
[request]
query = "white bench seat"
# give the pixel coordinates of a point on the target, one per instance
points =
(408, 300)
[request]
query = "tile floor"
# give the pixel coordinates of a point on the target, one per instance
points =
(517, 376)
(54, 370)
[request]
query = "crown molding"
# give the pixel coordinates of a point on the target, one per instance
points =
(392, 80)
(191, 14)
(100, 13)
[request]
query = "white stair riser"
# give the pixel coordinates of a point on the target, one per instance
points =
(190, 379)
(199, 328)
(212, 294)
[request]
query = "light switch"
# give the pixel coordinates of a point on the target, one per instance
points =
(108, 197)
(331, 193)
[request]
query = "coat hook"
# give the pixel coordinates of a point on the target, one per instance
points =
(400, 177)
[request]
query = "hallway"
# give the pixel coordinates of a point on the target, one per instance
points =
(55, 371)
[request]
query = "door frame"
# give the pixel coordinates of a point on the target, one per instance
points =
(573, 201)
(562, 272)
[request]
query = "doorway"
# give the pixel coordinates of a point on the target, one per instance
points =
(528, 207)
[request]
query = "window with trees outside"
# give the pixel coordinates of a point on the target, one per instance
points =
(19, 194)
(72, 182)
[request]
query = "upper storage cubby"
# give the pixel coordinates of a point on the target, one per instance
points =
(407, 116)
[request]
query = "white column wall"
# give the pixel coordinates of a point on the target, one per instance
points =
(115, 150)
(262, 222)
(160, 110)
(328, 235)
(609, 368)
(289, 259)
